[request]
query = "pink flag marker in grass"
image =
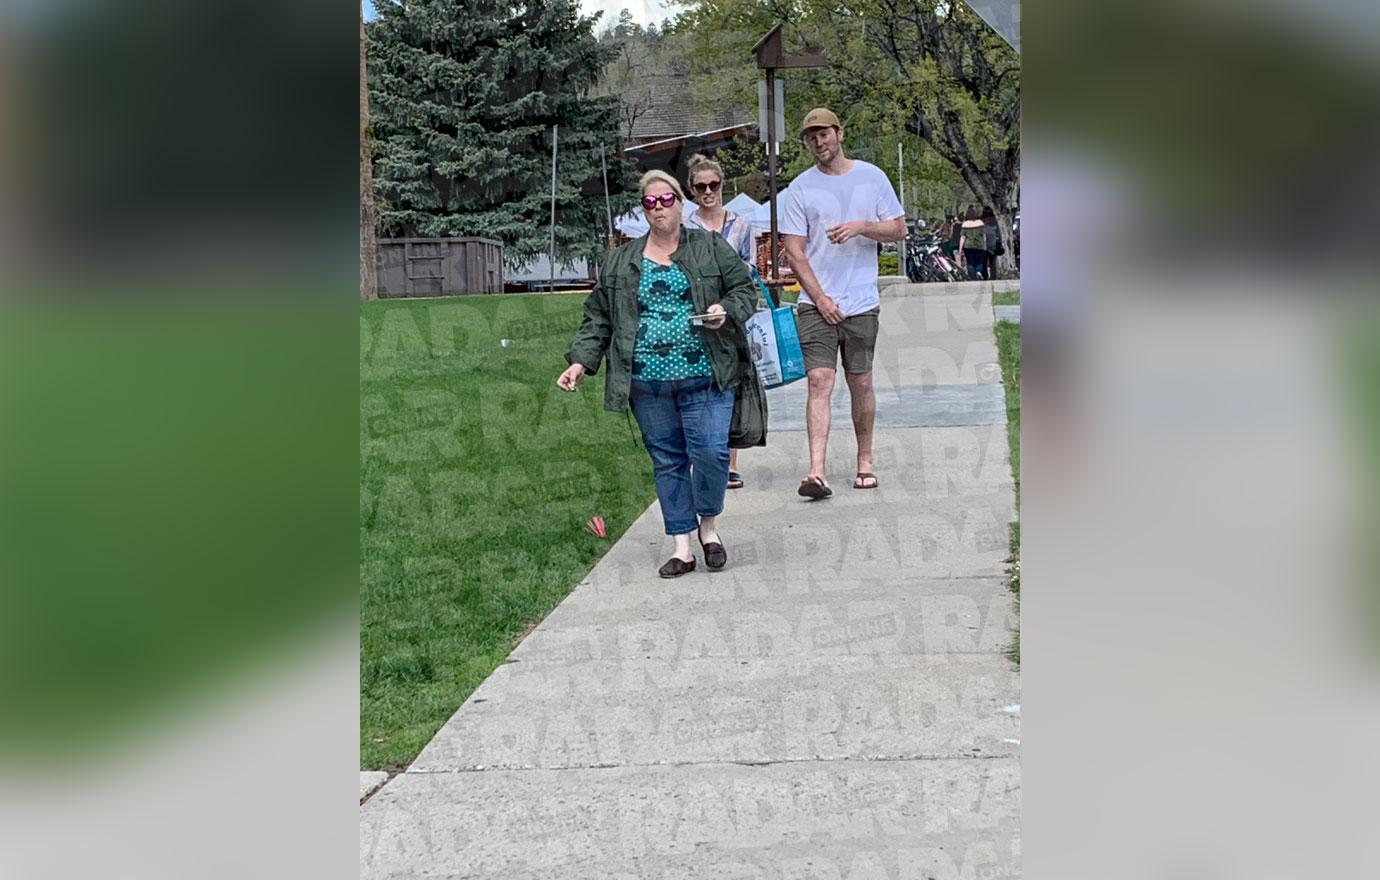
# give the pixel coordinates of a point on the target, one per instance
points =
(596, 525)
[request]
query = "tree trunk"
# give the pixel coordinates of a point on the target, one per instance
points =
(368, 238)
(1005, 265)
(990, 188)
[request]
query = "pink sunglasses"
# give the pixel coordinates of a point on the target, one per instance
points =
(666, 200)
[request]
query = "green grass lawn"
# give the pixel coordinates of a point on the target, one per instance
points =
(1362, 369)
(172, 487)
(1009, 356)
(1007, 298)
(477, 478)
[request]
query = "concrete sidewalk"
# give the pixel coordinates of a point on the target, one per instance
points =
(838, 703)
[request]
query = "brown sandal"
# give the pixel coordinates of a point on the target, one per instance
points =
(814, 488)
(715, 556)
(676, 567)
(862, 478)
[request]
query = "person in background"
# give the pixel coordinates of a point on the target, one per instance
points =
(972, 243)
(1016, 241)
(992, 242)
(679, 377)
(706, 189)
(947, 233)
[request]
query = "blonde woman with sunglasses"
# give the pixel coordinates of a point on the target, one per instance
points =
(668, 314)
(706, 188)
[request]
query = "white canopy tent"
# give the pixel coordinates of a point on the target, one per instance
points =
(742, 203)
(760, 217)
(632, 224)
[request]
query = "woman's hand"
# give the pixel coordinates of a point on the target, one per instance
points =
(719, 316)
(570, 379)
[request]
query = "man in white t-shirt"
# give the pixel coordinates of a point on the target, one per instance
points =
(832, 217)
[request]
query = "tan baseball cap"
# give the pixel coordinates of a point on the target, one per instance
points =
(819, 117)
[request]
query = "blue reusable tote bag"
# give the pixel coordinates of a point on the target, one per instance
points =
(774, 341)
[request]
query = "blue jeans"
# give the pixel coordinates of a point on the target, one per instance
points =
(685, 428)
(977, 263)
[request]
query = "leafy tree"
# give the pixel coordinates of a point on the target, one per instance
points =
(646, 57)
(464, 97)
(927, 73)
(745, 167)
(958, 83)
(629, 75)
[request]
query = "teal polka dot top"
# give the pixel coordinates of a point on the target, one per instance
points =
(667, 346)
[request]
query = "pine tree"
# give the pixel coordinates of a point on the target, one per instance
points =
(464, 96)
(368, 232)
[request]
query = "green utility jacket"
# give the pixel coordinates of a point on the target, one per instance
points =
(609, 329)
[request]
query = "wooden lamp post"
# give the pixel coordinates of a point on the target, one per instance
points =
(770, 57)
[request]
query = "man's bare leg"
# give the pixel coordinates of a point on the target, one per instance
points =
(821, 391)
(864, 406)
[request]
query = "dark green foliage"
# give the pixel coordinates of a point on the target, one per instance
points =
(464, 94)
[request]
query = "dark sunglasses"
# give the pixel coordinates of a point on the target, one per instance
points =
(711, 186)
(665, 199)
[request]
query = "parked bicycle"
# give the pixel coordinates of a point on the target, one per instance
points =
(926, 261)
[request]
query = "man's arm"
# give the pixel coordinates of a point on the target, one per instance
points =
(888, 230)
(877, 230)
(805, 274)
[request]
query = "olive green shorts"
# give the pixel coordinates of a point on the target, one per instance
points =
(822, 343)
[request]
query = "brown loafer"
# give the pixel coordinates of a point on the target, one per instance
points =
(715, 556)
(674, 567)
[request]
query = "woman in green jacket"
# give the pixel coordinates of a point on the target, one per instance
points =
(679, 375)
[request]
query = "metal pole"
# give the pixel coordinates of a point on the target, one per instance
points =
(901, 174)
(555, 129)
(608, 206)
(771, 174)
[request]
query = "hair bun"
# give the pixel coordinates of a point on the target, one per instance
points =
(699, 162)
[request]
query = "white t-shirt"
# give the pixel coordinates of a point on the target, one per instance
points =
(816, 201)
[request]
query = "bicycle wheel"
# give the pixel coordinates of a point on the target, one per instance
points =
(912, 269)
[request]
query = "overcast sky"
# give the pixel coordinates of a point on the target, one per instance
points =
(643, 11)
